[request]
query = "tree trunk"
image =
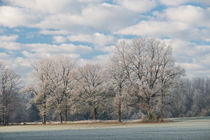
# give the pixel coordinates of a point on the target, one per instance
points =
(5, 109)
(3, 116)
(7, 117)
(94, 112)
(161, 108)
(44, 118)
(44, 113)
(66, 113)
(60, 117)
(119, 112)
(149, 113)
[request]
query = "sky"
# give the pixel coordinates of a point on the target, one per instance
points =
(88, 30)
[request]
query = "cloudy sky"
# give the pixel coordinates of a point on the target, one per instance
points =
(87, 30)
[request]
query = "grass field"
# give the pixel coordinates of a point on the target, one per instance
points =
(177, 129)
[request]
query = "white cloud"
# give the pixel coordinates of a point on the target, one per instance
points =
(54, 32)
(190, 66)
(173, 2)
(98, 39)
(109, 49)
(180, 47)
(192, 57)
(81, 38)
(14, 16)
(9, 42)
(59, 39)
(71, 15)
(49, 50)
(10, 46)
(100, 59)
(175, 22)
(205, 2)
(137, 5)
(10, 16)
(45, 6)
(91, 18)
(188, 13)
(3, 56)
(154, 28)
(180, 2)
(8, 38)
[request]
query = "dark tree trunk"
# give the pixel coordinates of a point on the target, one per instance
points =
(161, 109)
(149, 113)
(119, 112)
(4, 116)
(66, 113)
(60, 117)
(94, 112)
(44, 113)
(44, 118)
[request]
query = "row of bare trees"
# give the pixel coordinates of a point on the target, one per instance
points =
(140, 73)
(140, 80)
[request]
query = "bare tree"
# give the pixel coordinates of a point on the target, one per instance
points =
(53, 85)
(41, 86)
(150, 68)
(90, 87)
(62, 79)
(116, 78)
(10, 84)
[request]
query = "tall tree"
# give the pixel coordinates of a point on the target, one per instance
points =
(117, 78)
(150, 68)
(41, 86)
(62, 79)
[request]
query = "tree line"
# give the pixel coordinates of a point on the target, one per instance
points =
(140, 80)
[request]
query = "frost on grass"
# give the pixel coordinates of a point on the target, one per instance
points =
(192, 123)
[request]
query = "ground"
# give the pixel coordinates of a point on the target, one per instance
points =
(177, 129)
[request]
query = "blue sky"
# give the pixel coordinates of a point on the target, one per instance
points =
(87, 30)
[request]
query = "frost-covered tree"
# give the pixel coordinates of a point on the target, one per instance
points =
(10, 103)
(41, 86)
(53, 85)
(150, 68)
(90, 87)
(191, 98)
(62, 80)
(116, 78)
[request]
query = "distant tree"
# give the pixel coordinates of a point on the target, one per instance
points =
(33, 113)
(10, 84)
